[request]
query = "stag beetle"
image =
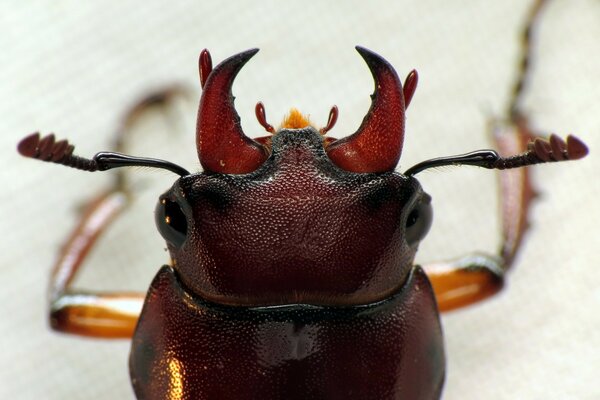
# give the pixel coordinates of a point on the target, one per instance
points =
(292, 272)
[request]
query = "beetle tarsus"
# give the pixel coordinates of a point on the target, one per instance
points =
(525, 61)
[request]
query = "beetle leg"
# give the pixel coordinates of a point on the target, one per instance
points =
(89, 313)
(108, 315)
(470, 279)
(465, 281)
(100, 315)
(518, 91)
(159, 98)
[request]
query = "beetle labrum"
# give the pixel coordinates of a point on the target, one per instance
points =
(292, 269)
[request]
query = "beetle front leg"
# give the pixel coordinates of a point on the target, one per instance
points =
(470, 279)
(465, 281)
(108, 315)
(89, 313)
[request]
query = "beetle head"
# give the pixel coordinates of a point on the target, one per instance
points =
(295, 218)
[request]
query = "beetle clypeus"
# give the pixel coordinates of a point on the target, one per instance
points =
(292, 269)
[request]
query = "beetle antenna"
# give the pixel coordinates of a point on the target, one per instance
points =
(539, 151)
(61, 152)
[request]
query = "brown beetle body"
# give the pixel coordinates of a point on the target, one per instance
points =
(292, 269)
(388, 350)
(325, 301)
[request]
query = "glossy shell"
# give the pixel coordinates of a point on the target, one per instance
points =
(292, 273)
(391, 349)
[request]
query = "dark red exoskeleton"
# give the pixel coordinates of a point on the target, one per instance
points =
(292, 272)
(285, 262)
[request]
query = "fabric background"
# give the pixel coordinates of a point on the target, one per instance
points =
(72, 67)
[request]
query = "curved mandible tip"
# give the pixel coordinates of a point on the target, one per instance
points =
(377, 144)
(222, 145)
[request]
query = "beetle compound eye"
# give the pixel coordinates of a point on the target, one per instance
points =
(171, 222)
(418, 222)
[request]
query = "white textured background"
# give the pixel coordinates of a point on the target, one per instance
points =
(71, 67)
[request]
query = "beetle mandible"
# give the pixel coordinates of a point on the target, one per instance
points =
(292, 269)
